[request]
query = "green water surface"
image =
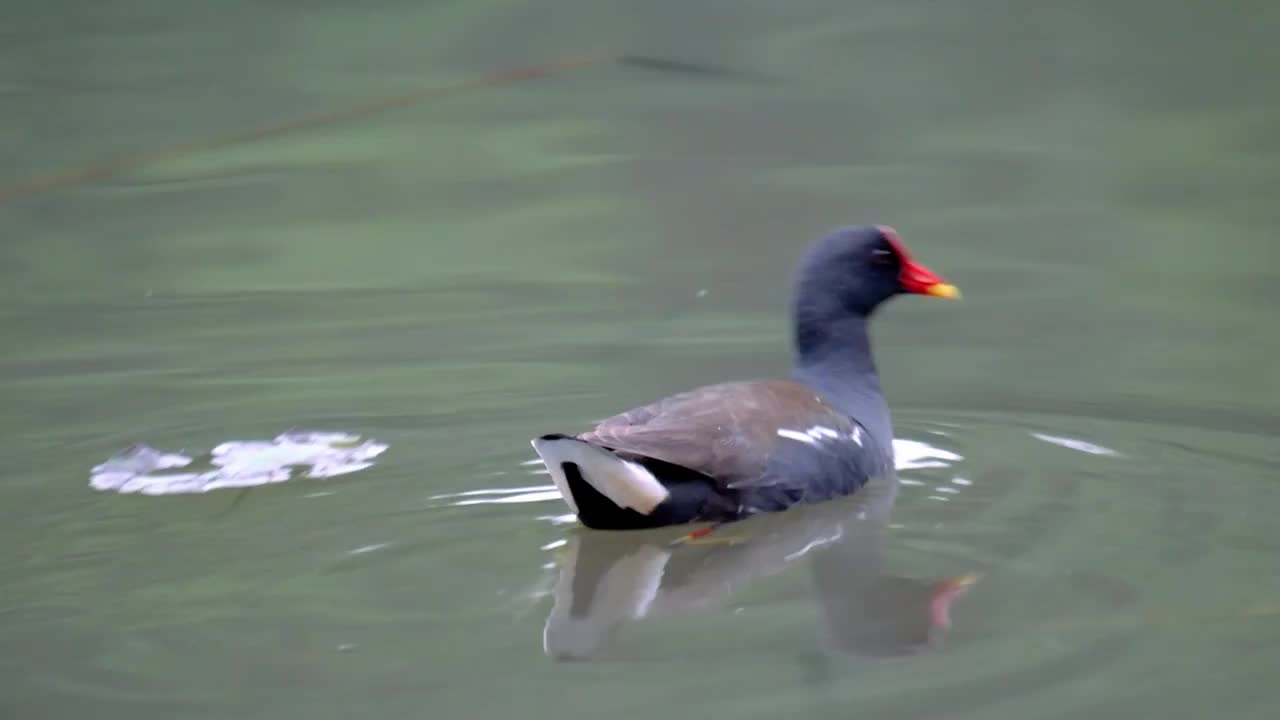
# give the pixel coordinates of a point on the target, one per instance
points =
(453, 278)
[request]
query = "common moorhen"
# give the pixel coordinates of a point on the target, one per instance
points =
(726, 451)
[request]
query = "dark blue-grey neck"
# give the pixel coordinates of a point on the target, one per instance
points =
(833, 356)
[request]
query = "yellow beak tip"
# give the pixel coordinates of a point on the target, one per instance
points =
(943, 290)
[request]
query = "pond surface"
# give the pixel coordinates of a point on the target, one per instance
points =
(1085, 521)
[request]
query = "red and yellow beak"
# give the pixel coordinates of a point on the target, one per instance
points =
(914, 277)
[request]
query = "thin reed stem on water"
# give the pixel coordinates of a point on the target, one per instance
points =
(104, 169)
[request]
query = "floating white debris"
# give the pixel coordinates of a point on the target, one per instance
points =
(961, 481)
(555, 544)
(1074, 444)
(141, 459)
(236, 464)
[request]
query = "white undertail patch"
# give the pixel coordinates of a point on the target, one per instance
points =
(627, 484)
(557, 475)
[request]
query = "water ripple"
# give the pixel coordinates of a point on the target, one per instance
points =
(909, 455)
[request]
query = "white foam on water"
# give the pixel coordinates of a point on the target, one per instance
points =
(237, 464)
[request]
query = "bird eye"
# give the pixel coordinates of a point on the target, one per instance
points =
(880, 256)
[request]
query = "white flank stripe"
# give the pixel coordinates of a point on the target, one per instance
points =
(797, 436)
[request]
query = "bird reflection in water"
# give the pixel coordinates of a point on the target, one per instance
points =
(608, 580)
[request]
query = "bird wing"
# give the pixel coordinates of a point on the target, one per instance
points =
(730, 432)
